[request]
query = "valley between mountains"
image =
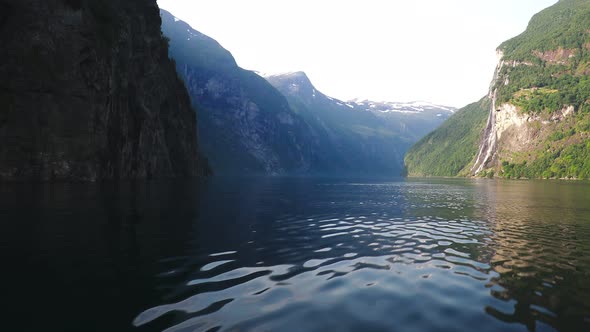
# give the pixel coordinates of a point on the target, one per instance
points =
(533, 122)
(282, 124)
(129, 91)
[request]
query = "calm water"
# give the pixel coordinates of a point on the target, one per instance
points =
(296, 255)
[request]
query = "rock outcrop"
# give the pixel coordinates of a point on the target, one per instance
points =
(88, 93)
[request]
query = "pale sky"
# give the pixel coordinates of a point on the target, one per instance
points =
(442, 51)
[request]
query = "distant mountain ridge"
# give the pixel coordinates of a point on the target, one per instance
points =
(348, 141)
(355, 133)
(397, 107)
(370, 105)
(411, 120)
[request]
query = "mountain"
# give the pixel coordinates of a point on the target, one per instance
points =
(449, 150)
(282, 124)
(88, 93)
(361, 137)
(414, 120)
(346, 141)
(538, 121)
(245, 125)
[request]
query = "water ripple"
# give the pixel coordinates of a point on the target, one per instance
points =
(423, 256)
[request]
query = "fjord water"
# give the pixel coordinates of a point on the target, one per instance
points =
(280, 254)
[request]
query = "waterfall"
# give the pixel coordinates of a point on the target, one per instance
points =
(487, 145)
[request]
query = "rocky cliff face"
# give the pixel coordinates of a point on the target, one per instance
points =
(509, 132)
(538, 108)
(539, 94)
(245, 125)
(88, 92)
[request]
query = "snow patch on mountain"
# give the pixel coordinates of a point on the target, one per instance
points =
(398, 107)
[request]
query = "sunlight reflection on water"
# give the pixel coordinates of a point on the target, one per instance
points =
(299, 255)
(449, 255)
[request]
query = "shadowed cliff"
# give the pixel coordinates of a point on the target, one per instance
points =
(88, 93)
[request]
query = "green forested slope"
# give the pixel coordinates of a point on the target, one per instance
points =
(564, 24)
(550, 71)
(545, 74)
(450, 149)
(564, 152)
(551, 60)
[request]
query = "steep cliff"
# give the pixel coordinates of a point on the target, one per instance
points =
(538, 120)
(88, 92)
(245, 125)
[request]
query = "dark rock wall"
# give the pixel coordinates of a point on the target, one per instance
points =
(87, 92)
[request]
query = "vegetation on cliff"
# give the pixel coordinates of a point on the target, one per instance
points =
(563, 25)
(562, 153)
(548, 66)
(569, 162)
(546, 70)
(545, 74)
(450, 149)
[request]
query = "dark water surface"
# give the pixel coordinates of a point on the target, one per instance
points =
(296, 255)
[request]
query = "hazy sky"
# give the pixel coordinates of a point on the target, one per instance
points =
(441, 51)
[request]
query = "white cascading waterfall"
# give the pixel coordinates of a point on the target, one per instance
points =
(487, 144)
